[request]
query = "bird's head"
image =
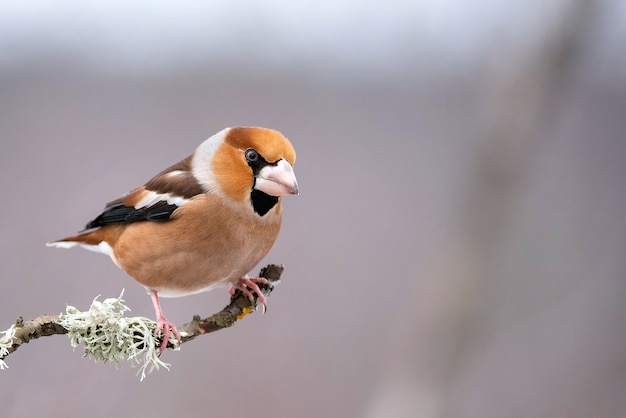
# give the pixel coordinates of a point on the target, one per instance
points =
(248, 164)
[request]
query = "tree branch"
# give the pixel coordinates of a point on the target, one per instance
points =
(239, 306)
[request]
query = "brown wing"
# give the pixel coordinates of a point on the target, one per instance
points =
(156, 201)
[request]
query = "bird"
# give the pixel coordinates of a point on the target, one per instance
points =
(201, 223)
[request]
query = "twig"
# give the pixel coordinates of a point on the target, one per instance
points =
(45, 325)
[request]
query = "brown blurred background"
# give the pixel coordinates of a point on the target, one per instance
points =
(458, 247)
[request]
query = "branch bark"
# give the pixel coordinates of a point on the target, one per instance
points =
(237, 309)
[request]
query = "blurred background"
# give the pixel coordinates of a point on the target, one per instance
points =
(458, 246)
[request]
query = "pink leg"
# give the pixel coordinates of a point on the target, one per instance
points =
(246, 283)
(162, 322)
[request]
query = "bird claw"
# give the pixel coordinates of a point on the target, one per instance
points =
(245, 284)
(168, 328)
(162, 323)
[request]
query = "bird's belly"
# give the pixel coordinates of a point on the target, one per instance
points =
(180, 273)
(179, 265)
(202, 272)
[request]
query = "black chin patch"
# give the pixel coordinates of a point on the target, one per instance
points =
(262, 202)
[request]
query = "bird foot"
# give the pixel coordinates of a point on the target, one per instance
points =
(246, 284)
(168, 328)
(162, 323)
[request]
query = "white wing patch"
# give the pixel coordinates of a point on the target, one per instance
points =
(152, 198)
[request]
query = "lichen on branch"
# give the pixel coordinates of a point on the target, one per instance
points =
(107, 335)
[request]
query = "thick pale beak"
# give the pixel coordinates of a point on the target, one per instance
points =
(277, 179)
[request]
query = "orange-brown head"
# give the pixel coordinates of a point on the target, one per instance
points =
(247, 164)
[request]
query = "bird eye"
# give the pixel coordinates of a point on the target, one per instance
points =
(251, 155)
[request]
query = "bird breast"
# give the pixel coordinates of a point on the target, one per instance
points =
(207, 244)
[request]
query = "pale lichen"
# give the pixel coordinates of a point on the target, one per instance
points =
(107, 335)
(6, 342)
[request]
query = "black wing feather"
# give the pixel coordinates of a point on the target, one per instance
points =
(182, 185)
(118, 213)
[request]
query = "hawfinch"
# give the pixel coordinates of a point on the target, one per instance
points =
(202, 223)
